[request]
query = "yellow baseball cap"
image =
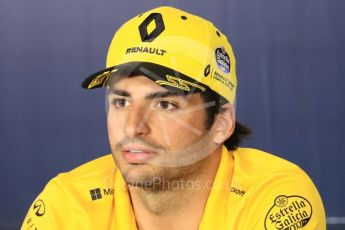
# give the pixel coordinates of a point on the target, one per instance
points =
(177, 50)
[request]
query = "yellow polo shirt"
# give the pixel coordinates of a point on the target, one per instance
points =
(265, 192)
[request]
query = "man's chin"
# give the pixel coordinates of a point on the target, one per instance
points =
(145, 182)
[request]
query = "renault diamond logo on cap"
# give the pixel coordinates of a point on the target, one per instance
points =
(155, 18)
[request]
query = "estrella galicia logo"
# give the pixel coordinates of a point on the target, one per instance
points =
(288, 213)
(222, 59)
(39, 208)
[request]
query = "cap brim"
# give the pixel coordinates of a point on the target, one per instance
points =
(163, 76)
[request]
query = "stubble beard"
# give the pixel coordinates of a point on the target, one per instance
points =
(155, 178)
(163, 179)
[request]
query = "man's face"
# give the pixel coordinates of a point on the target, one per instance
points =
(155, 134)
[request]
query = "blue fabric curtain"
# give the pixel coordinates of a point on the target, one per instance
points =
(290, 66)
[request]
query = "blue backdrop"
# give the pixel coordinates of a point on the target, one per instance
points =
(291, 65)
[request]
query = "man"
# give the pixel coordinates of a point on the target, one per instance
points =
(171, 87)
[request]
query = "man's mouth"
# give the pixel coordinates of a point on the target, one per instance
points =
(137, 154)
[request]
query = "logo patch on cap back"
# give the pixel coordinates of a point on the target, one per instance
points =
(222, 59)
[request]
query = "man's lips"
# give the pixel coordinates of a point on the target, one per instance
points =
(137, 154)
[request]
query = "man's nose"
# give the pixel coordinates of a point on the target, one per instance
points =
(137, 121)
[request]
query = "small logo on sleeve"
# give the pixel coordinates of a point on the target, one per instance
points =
(288, 213)
(39, 208)
(237, 191)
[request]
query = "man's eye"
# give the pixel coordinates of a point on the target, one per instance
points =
(166, 105)
(120, 102)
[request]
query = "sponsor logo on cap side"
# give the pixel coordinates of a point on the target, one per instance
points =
(222, 59)
(223, 80)
(207, 70)
(288, 212)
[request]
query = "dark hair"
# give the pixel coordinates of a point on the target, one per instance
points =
(241, 131)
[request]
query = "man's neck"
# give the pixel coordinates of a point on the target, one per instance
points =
(181, 206)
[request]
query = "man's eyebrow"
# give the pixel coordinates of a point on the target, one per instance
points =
(150, 96)
(121, 92)
(162, 94)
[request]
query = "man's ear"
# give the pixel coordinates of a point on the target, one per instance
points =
(224, 124)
